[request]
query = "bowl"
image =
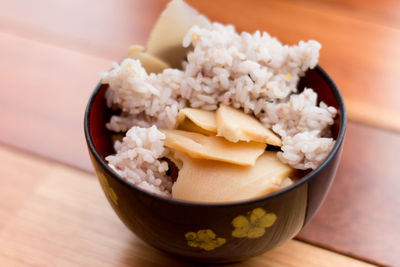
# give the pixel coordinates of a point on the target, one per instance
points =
(216, 233)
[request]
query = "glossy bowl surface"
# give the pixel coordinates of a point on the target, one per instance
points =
(216, 232)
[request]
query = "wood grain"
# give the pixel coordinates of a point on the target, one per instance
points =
(97, 27)
(63, 219)
(384, 12)
(43, 98)
(361, 213)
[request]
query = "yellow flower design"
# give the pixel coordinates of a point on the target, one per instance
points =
(253, 225)
(108, 189)
(205, 239)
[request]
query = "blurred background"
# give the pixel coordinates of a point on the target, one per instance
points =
(52, 51)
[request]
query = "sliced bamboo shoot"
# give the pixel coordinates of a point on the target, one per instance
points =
(150, 63)
(197, 120)
(165, 40)
(202, 180)
(235, 125)
(213, 147)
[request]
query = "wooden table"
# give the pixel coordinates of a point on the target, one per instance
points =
(52, 211)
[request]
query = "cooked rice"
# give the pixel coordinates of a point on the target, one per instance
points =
(137, 160)
(254, 72)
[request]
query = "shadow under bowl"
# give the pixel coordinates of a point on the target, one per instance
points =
(216, 233)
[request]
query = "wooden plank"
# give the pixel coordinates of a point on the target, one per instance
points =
(361, 214)
(43, 97)
(384, 12)
(65, 221)
(17, 186)
(98, 27)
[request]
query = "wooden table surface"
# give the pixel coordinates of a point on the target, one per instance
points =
(52, 211)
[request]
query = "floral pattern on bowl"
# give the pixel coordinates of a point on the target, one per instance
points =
(205, 239)
(253, 225)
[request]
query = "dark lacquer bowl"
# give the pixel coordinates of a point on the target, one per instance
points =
(216, 232)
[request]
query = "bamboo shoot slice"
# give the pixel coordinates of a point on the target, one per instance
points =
(213, 147)
(166, 38)
(211, 181)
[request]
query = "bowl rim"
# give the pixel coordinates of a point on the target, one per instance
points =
(305, 179)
